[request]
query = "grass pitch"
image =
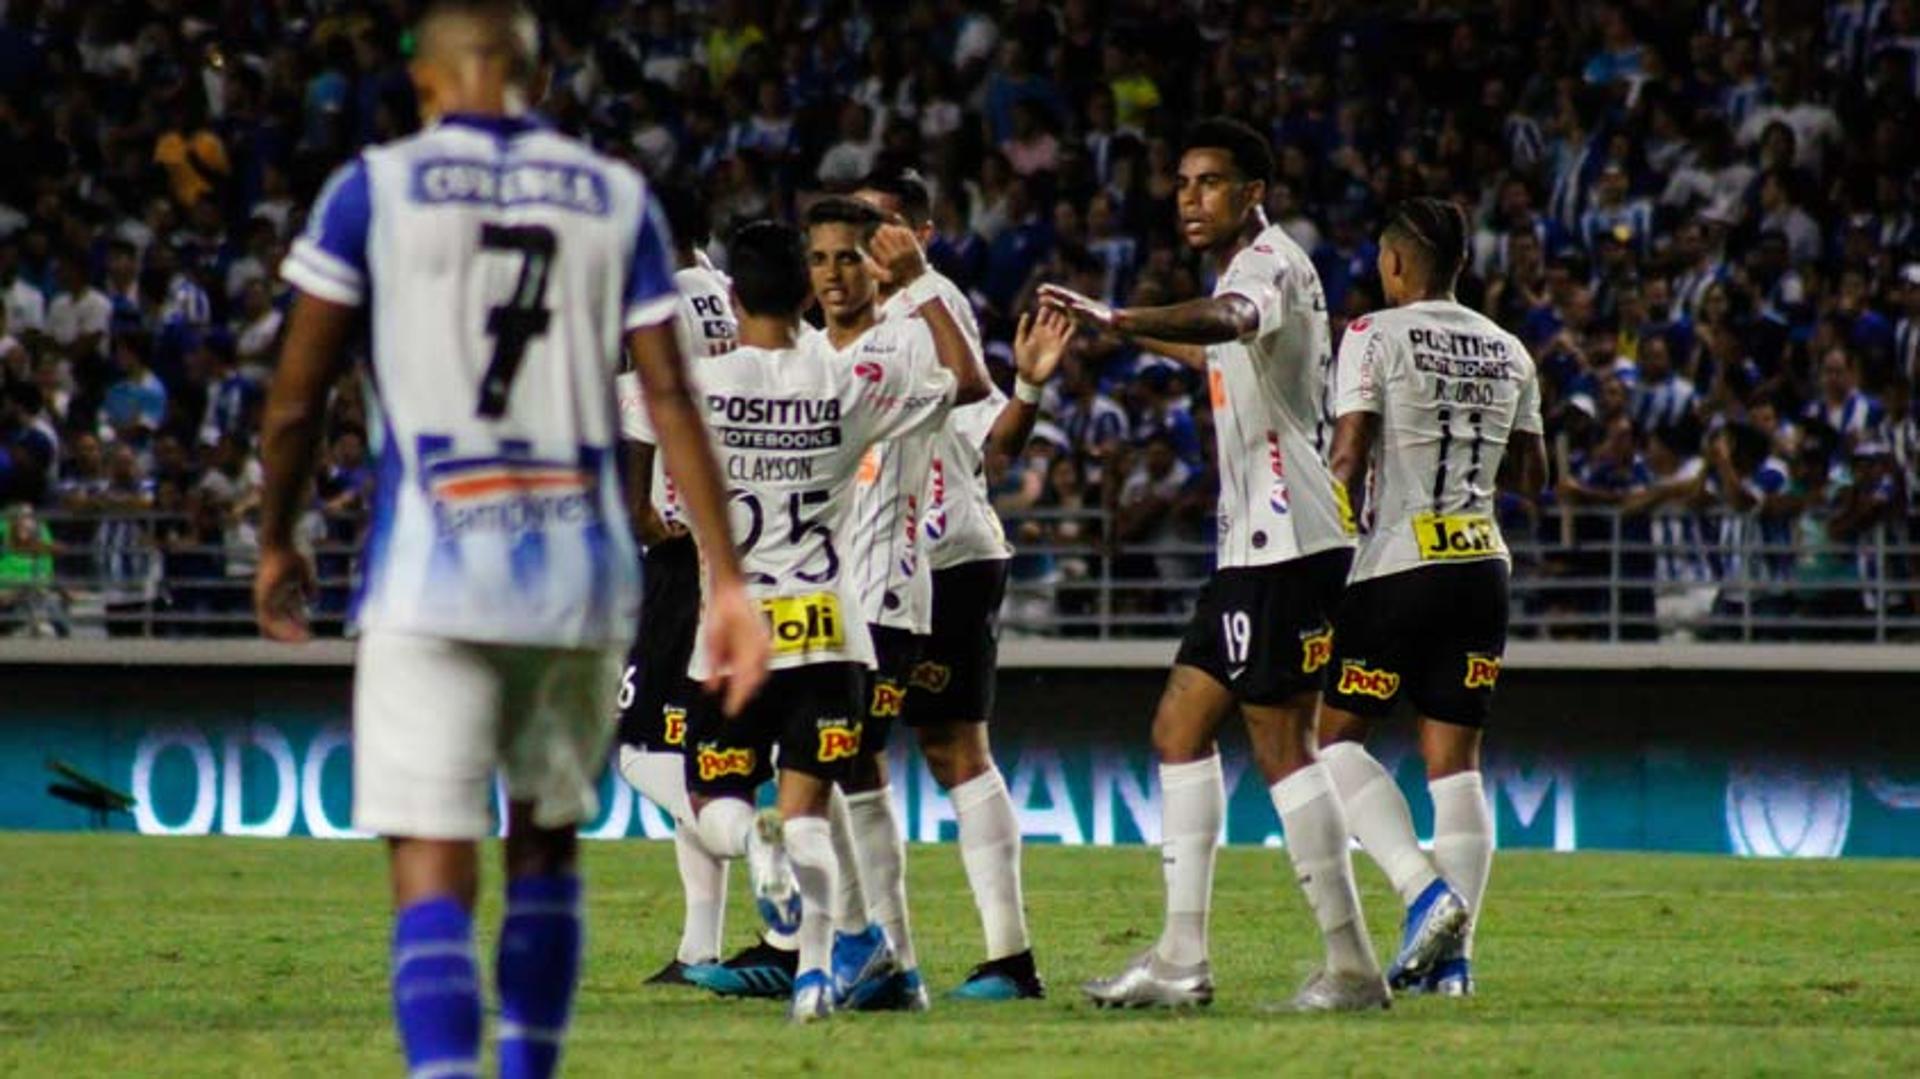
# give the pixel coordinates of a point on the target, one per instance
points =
(128, 956)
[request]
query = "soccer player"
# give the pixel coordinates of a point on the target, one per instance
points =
(793, 421)
(1260, 632)
(951, 689)
(1438, 400)
(501, 266)
(654, 690)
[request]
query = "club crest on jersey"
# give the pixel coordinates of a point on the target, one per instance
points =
(1482, 670)
(839, 740)
(1360, 680)
(506, 493)
(1316, 648)
(930, 676)
(673, 725)
(712, 762)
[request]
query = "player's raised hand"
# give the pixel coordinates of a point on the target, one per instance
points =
(894, 256)
(1040, 342)
(737, 645)
(282, 585)
(1082, 309)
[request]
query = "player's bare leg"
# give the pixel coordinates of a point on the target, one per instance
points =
(1462, 836)
(1193, 807)
(874, 962)
(538, 962)
(1284, 748)
(804, 801)
(436, 981)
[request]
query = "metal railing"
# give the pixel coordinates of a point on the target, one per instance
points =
(1599, 576)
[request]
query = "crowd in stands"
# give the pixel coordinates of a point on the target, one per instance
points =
(1700, 217)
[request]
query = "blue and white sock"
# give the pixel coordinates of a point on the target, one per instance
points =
(538, 966)
(436, 990)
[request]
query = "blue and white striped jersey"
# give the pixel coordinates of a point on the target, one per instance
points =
(501, 263)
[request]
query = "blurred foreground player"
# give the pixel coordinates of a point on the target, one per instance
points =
(1259, 635)
(502, 264)
(1436, 400)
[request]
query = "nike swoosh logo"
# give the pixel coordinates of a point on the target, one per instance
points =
(1234, 673)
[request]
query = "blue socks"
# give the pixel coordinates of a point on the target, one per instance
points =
(538, 965)
(436, 991)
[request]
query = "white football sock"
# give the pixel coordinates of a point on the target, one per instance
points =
(990, 849)
(1316, 828)
(722, 826)
(883, 867)
(849, 901)
(661, 778)
(1193, 805)
(809, 845)
(1378, 814)
(1463, 840)
(703, 880)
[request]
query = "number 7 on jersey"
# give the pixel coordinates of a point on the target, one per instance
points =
(513, 325)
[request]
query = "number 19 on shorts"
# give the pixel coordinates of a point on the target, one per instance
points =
(1236, 636)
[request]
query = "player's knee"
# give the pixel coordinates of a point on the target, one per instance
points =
(867, 772)
(1339, 725)
(541, 852)
(1179, 739)
(955, 752)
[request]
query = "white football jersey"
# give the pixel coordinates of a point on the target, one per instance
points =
(1449, 386)
(957, 517)
(502, 264)
(790, 428)
(705, 326)
(1271, 418)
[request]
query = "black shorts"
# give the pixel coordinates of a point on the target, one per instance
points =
(1265, 632)
(813, 713)
(654, 688)
(1435, 634)
(954, 680)
(895, 653)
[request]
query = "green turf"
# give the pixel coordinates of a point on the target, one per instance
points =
(129, 956)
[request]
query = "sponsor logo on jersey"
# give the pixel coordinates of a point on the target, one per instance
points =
(507, 494)
(839, 740)
(1360, 324)
(768, 423)
(910, 528)
(710, 762)
(1443, 536)
(530, 183)
(930, 676)
(869, 467)
(1360, 680)
(673, 725)
(1217, 388)
(870, 371)
(1277, 495)
(889, 698)
(936, 525)
(1482, 670)
(804, 624)
(1316, 648)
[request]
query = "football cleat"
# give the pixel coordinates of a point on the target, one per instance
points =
(1146, 982)
(905, 992)
(1011, 977)
(863, 966)
(1436, 922)
(812, 997)
(760, 970)
(1451, 977)
(1328, 992)
(674, 973)
(774, 889)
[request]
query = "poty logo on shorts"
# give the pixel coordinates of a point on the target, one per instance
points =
(888, 700)
(714, 763)
(673, 725)
(930, 676)
(1482, 670)
(1316, 648)
(1359, 680)
(839, 743)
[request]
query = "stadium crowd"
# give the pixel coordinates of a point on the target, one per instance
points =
(1700, 217)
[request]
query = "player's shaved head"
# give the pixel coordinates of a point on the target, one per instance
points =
(476, 55)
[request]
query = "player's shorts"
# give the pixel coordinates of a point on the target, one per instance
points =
(654, 688)
(1435, 634)
(953, 682)
(814, 714)
(433, 719)
(896, 652)
(1265, 632)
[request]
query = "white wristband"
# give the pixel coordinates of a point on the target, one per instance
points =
(924, 289)
(1026, 392)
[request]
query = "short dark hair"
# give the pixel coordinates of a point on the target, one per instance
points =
(1438, 228)
(910, 189)
(686, 210)
(839, 210)
(768, 261)
(1251, 153)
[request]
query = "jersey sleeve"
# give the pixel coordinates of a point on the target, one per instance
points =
(1526, 416)
(1358, 376)
(329, 260)
(650, 296)
(902, 386)
(1259, 276)
(634, 424)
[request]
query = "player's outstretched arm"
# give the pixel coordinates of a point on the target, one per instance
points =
(1353, 438)
(311, 361)
(899, 262)
(737, 645)
(1210, 321)
(1039, 343)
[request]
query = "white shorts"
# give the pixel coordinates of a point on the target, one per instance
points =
(434, 719)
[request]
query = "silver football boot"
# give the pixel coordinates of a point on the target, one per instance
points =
(1327, 992)
(1148, 982)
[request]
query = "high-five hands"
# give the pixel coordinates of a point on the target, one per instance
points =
(1082, 309)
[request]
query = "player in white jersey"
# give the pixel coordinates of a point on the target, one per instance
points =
(792, 422)
(1261, 631)
(951, 689)
(500, 266)
(1434, 399)
(654, 690)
